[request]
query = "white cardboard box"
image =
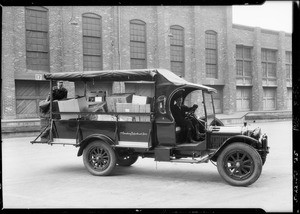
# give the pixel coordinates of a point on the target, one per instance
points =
(137, 99)
(71, 105)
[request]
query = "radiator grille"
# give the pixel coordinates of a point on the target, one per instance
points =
(217, 141)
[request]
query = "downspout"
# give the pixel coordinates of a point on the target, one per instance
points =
(119, 38)
(51, 110)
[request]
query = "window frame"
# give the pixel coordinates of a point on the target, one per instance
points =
(133, 42)
(28, 29)
(208, 62)
(86, 36)
(288, 63)
(180, 49)
(243, 60)
(268, 62)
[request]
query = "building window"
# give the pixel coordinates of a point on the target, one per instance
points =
(269, 98)
(243, 61)
(92, 42)
(288, 66)
(211, 54)
(28, 96)
(37, 42)
(177, 50)
(268, 60)
(138, 44)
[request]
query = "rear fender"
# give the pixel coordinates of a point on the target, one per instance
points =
(92, 138)
(238, 138)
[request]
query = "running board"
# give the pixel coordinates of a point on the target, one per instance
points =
(203, 159)
(189, 144)
(57, 141)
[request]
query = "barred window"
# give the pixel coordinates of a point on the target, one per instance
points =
(269, 65)
(243, 61)
(92, 42)
(211, 54)
(37, 42)
(138, 44)
(177, 50)
(288, 64)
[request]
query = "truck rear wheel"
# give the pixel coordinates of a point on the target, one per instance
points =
(99, 158)
(239, 164)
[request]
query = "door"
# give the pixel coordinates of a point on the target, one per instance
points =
(243, 98)
(269, 99)
(28, 96)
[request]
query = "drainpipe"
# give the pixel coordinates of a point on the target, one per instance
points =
(119, 39)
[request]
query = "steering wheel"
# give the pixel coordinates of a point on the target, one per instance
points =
(190, 114)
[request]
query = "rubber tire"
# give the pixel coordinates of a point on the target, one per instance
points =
(112, 159)
(127, 160)
(251, 152)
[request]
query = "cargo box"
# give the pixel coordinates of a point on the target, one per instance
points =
(117, 98)
(72, 105)
(141, 99)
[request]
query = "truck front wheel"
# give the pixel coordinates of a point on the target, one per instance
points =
(239, 164)
(99, 158)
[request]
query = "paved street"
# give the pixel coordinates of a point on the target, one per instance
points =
(43, 176)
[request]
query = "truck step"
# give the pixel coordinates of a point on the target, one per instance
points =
(202, 159)
(190, 144)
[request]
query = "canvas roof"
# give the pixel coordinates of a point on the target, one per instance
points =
(161, 76)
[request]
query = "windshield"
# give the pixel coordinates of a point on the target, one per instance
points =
(210, 111)
(199, 98)
(196, 97)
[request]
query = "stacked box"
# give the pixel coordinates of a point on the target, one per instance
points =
(141, 99)
(97, 107)
(145, 109)
(131, 107)
(117, 98)
(72, 105)
(126, 108)
(106, 117)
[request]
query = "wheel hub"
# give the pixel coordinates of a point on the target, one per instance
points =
(238, 164)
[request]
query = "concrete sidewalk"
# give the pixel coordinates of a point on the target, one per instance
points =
(255, 116)
(235, 118)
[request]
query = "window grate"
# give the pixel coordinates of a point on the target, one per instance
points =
(37, 42)
(92, 42)
(211, 54)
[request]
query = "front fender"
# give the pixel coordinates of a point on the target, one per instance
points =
(238, 138)
(92, 138)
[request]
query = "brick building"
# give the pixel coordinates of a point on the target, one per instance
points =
(250, 67)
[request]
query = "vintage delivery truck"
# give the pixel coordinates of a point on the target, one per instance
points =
(116, 128)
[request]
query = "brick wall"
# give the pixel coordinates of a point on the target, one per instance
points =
(261, 38)
(66, 46)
